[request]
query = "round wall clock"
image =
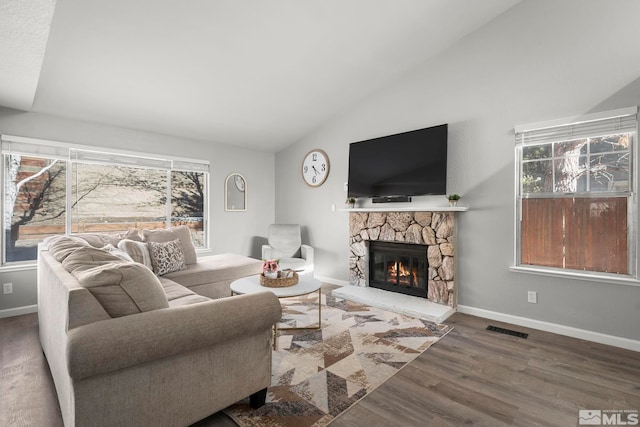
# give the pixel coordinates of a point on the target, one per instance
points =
(315, 168)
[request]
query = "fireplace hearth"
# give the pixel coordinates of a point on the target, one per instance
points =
(399, 267)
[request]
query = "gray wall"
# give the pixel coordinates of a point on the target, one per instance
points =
(539, 61)
(237, 232)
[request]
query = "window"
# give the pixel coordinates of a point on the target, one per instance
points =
(575, 206)
(34, 203)
(53, 188)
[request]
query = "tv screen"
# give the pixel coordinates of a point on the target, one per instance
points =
(411, 163)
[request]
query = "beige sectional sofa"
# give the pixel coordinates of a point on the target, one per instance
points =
(129, 348)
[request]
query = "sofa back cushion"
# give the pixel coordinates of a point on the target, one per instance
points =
(63, 246)
(99, 240)
(123, 288)
(180, 232)
(85, 258)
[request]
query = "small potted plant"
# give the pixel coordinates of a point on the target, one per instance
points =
(453, 199)
(270, 268)
(351, 202)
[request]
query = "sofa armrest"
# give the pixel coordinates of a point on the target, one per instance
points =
(306, 252)
(114, 344)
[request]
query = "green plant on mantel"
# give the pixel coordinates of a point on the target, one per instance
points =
(351, 202)
(453, 197)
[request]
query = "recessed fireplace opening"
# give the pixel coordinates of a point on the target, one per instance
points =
(399, 267)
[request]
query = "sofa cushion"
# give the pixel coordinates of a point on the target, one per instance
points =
(138, 251)
(180, 232)
(85, 258)
(179, 295)
(188, 300)
(124, 288)
(62, 246)
(167, 257)
(217, 268)
(173, 290)
(99, 240)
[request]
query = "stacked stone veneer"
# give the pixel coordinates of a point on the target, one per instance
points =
(434, 229)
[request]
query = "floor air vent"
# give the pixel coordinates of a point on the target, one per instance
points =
(507, 331)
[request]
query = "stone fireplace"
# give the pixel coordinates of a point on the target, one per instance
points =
(432, 230)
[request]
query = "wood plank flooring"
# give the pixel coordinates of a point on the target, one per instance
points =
(478, 377)
(470, 377)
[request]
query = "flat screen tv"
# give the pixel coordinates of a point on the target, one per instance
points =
(406, 164)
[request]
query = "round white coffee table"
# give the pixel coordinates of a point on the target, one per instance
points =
(306, 285)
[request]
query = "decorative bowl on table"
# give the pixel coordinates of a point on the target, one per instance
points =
(285, 278)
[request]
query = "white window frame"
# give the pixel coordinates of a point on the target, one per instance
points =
(70, 153)
(598, 124)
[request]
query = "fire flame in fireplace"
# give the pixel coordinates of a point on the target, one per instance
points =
(403, 273)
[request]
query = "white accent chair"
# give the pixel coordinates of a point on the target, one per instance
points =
(285, 244)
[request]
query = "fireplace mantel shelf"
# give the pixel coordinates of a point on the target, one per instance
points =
(411, 209)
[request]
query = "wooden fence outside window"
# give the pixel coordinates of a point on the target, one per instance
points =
(576, 233)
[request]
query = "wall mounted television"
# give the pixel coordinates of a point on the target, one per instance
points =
(411, 163)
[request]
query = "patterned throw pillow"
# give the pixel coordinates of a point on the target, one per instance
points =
(167, 257)
(181, 232)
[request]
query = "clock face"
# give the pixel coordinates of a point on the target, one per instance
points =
(315, 168)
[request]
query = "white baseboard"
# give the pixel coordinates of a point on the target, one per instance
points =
(27, 309)
(555, 328)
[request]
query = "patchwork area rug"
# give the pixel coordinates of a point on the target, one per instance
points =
(317, 374)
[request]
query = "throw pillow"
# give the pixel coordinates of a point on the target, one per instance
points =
(117, 252)
(180, 232)
(123, 288)
(138, 252)
(167, 257)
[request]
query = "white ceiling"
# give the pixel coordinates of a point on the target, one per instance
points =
(253, 73)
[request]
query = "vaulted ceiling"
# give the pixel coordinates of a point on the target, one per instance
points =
(254, 73)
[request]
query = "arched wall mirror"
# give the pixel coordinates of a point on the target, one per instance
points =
(235, 193)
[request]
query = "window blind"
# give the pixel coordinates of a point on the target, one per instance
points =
(23, 147)
(593, 125)
(114, 159)
(82, 154)
(189, 166)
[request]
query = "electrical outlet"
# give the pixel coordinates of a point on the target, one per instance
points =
(7, 288)
(532, 297)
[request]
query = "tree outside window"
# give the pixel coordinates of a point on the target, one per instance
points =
(187, 203)
(103, 198)
(34, 196)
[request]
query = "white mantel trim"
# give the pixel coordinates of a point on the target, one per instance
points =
(410, 209)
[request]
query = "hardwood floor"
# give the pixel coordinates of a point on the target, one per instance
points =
(478, 377)
(470, 377)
